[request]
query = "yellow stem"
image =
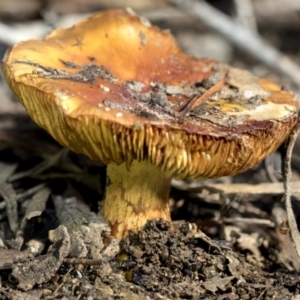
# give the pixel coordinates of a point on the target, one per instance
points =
(134, 196)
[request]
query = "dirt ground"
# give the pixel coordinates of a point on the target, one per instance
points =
(229, 238)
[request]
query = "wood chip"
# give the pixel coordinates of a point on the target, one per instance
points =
(9, 256)
(86, 229)
(34, 208)
(37, 204)
(8, 194)
(215, 284)
(40, 269)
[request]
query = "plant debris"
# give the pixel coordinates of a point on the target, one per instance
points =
(37, 270)
(86, 229)
(157, 262)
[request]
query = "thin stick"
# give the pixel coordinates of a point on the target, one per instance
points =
(83, 261)
(196, 101)
(268, 188)
(252, 221)
(287, 172)
(245, 13)
(242, 37)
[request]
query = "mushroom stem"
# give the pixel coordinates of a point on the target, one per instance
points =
(135, 195)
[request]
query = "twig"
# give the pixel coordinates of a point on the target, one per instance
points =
(84, 227)
(9, 195)
(245, 13)
(83, 261)
(253, 221)
(43, 166)
(29, 192)
(273, 188)
(64, 280)
(196, 101)
(288, 188)
(242, 37)
(26, 194)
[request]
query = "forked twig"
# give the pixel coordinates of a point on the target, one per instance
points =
(287, 175)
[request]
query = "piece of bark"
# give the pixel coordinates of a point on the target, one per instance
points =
(86, 229)
(37, 204)
(40, 269)
(35, 207)
(9, 256)
(9, 195)
(6, 171)
(218, 284)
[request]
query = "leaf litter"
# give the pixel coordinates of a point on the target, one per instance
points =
(53, 244)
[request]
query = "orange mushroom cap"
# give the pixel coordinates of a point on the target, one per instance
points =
(114, 88)
(118, 89)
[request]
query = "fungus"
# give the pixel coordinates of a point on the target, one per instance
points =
(119, 90)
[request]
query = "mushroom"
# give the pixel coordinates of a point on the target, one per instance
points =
(120, 90)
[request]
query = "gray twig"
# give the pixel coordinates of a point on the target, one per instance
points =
(266, 188)
(288, 189)
(252, 221)
(245, 13)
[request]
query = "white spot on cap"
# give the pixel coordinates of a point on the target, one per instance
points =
(107, 109)
(145, 21)
(105, 88)
(100, 105)
(119, 115)
(64, 101)
(248, 94)
(62, 96)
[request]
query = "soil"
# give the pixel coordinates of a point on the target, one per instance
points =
(161, 263)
